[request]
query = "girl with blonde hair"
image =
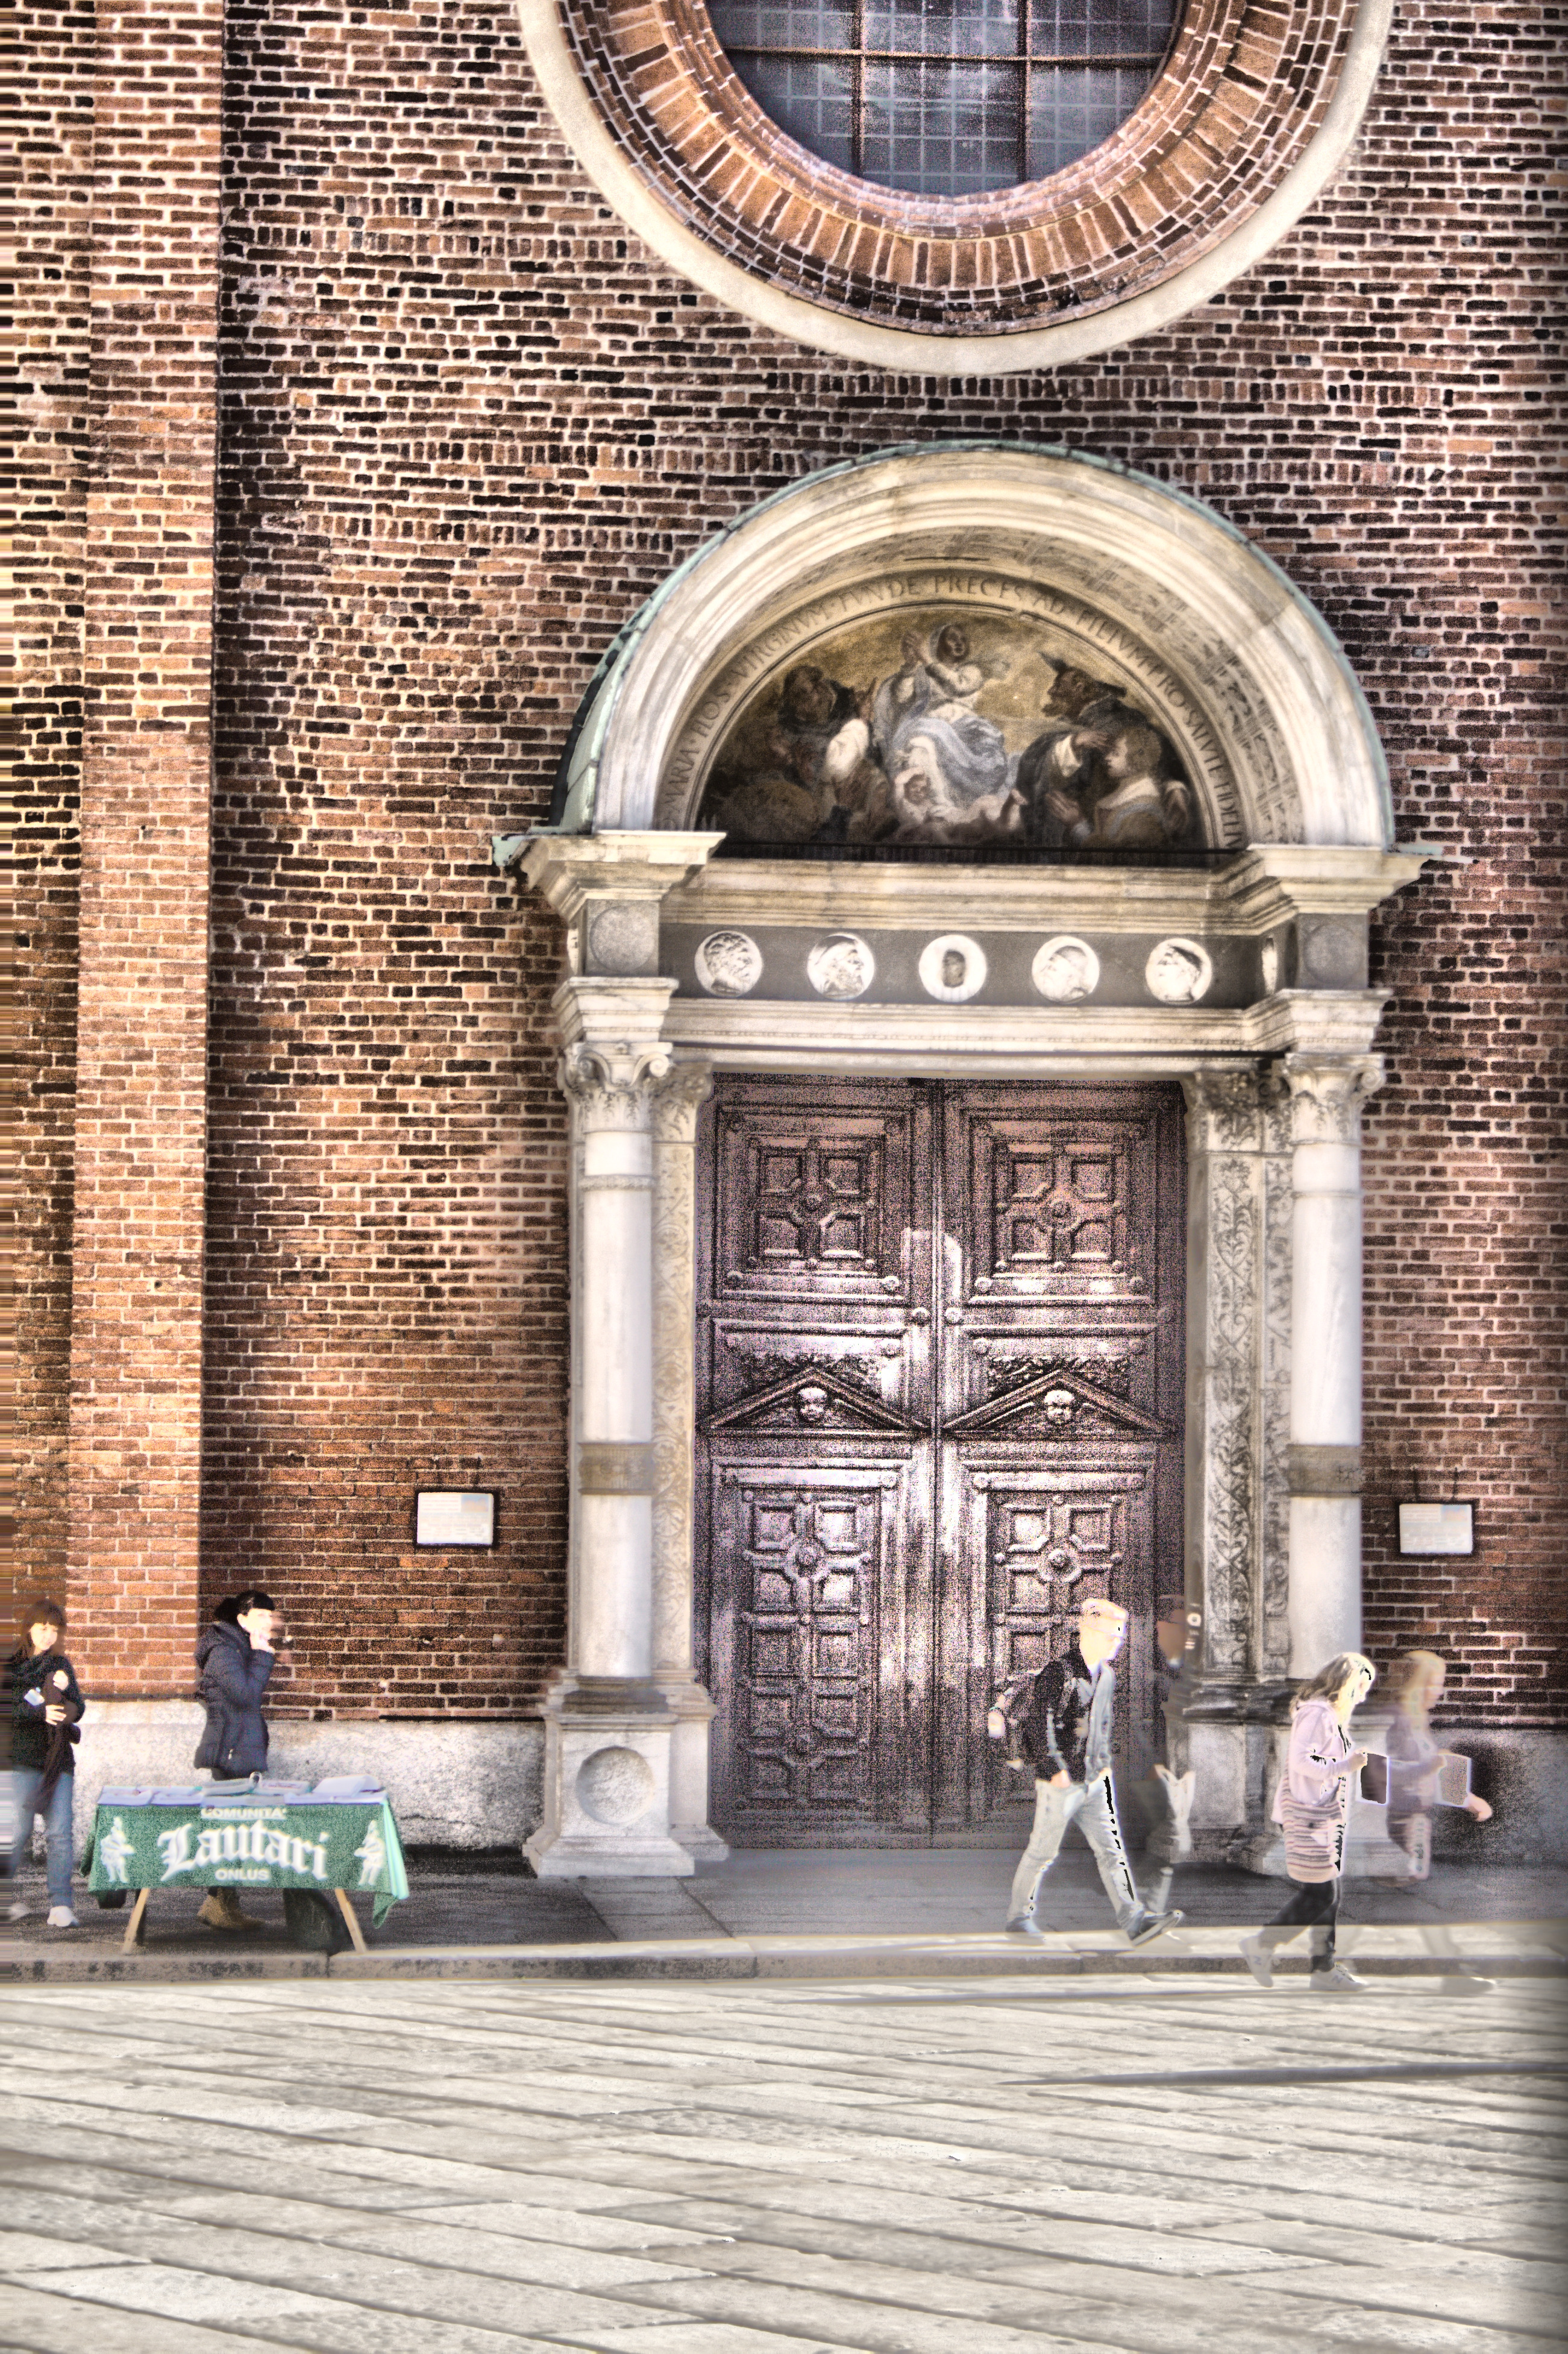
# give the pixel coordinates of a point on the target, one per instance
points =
(1311, 1807)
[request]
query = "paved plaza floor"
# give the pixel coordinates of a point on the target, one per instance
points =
(930, 2167)
(955, 1895)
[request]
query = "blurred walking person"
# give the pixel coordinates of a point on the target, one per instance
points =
(1415, 1764)
(43, 1708)
(1312, 1806)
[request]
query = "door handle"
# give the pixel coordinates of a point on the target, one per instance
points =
(955, 1315)
(919, 1316)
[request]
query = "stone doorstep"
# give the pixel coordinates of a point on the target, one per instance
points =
(1500, 1949)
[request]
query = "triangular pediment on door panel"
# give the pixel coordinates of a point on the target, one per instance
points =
(1056, 1404)
(810, 1396)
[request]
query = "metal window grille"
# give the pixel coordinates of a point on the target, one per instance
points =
(946, 97)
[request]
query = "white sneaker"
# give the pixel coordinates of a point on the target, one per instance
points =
(61, 1918)
(1255, 1953)
(18, 1912)
(1341, 1980)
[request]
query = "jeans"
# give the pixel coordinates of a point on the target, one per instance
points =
(1091, 1805)
(21, 1787)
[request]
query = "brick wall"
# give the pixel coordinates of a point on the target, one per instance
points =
(466, 429)
(46, 487)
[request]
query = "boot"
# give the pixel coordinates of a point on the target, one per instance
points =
(220, 1910)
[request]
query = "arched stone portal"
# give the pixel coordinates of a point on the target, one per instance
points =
(958, 909)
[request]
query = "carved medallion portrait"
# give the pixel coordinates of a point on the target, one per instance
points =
(1179, 972)
(728, 964)
(1065, 970)
(952, 969)
(841, 966)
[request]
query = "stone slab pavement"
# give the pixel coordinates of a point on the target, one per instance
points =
(797, 1911)
(917, 2167)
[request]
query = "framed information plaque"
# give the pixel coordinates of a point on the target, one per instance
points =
(1436, 1527)
(454, 1516)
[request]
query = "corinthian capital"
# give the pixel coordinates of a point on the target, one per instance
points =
(1222, 1109)
(678, 1097)
(610, 1083)
(1327, 1092)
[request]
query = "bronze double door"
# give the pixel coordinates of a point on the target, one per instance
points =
(940, 1381)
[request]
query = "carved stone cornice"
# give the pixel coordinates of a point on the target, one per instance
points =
(1327, 1093)
(570, 870)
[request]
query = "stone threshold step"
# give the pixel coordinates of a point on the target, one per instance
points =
(1498, 1949)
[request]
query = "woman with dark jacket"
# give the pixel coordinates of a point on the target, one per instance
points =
(43, 1708)
(235, 1660)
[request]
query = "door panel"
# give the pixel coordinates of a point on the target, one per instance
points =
(940, 1380)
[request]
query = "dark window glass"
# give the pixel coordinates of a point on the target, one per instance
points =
(946, 97)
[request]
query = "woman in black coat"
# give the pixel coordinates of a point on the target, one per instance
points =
(235, 1660)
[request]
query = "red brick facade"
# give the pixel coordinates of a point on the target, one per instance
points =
(464, 427)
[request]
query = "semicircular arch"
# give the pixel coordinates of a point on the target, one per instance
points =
(1106, 566)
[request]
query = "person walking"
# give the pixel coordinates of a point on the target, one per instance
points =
(1062, 1721)
(1312, 1805)
(1415, 1768)
(235, 1660)
(44, 1707)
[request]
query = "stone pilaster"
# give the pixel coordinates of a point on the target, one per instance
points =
(1239, 1343)
(678, 1099)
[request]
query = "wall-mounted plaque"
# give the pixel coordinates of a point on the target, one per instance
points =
(454, 1516)
(1436, 1527)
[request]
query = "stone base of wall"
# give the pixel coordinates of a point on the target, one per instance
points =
(454, 1782)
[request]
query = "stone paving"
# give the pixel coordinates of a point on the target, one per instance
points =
(1162, 2167)
(935, 1893)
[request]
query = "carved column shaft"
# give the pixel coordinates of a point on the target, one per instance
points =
(1224, 1407)
(1238, 1311)
(677, 1103)
(1325, 1609)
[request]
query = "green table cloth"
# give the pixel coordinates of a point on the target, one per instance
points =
(170, 1840)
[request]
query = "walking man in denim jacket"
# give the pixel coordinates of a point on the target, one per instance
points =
(1063, 1725)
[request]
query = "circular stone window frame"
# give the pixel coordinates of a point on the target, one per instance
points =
(1239, 134)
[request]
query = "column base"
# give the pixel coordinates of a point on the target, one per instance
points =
(693, 1713)
(607, 1784)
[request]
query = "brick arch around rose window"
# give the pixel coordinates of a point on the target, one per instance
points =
(1256, 107)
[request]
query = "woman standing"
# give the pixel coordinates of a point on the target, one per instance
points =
(235, 1660)
(1312, 1804)
(45, 1708)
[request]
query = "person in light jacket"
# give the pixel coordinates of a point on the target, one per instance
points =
(1312, 1805)
(235, 1660)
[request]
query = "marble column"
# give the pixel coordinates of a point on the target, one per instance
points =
(678, 1099)
(606, 1726)
(1327, 1092)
